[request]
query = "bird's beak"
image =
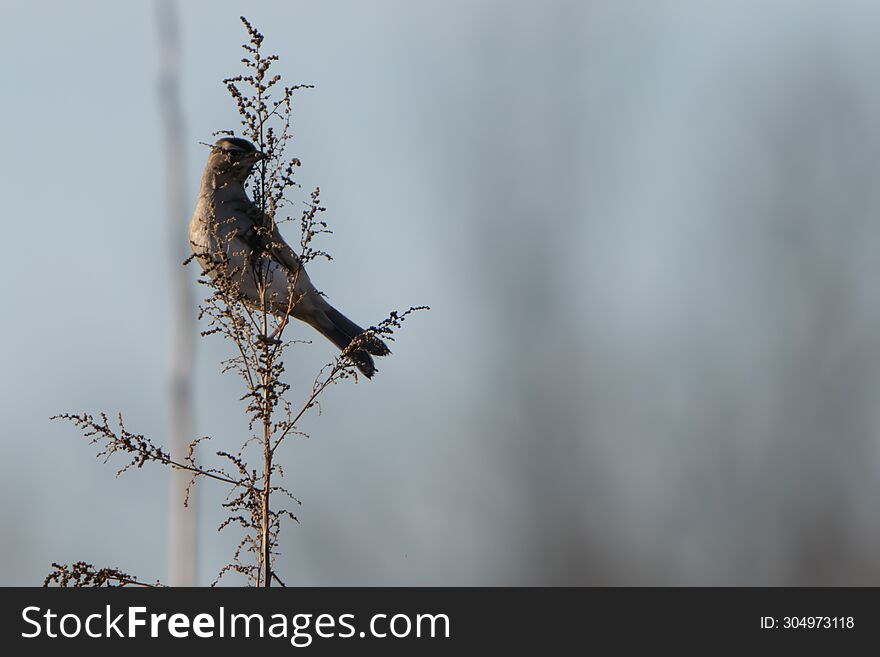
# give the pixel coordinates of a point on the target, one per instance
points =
(252, 158)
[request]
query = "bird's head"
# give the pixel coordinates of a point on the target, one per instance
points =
(234, 157)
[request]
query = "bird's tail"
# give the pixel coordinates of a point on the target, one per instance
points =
(340, 330)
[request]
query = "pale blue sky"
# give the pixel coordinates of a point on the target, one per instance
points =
(609, 206)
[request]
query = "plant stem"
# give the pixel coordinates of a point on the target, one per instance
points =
(266, 546)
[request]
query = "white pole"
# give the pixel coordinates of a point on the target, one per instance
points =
(182, 538)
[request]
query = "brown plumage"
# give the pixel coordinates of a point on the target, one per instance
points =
(226, 219)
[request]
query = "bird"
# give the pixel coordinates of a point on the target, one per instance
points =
(228, 227)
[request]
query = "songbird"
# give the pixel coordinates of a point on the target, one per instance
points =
(227, 223)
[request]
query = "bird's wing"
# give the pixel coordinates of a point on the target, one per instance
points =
(261, 239)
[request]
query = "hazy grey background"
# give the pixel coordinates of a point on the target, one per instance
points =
(648, 232)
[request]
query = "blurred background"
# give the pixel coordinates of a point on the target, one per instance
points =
(648, 232)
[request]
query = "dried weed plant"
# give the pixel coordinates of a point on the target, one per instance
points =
(250, 474)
